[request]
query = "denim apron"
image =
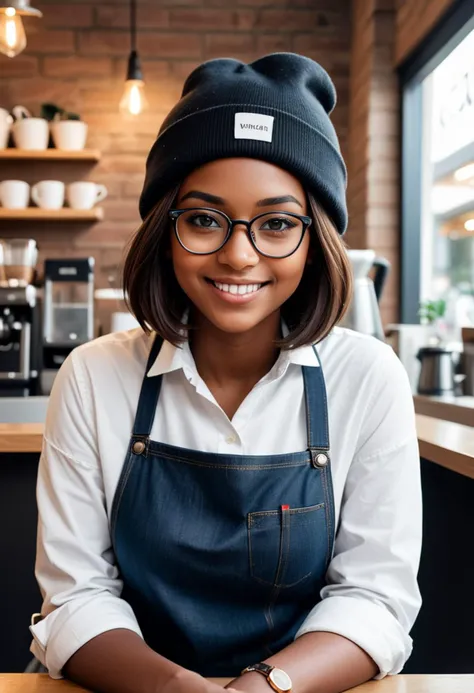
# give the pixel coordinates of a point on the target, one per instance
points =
(223, 556)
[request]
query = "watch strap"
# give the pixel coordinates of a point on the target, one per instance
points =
(261, 667)
(277, 679)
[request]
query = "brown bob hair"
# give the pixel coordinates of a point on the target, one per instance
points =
(157, 301)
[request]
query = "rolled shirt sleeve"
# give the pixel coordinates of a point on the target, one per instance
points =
(371, 596)
(75, 565)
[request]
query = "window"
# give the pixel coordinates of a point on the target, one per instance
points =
(447, 184)
(437, 244)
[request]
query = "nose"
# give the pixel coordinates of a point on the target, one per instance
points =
(238, 252)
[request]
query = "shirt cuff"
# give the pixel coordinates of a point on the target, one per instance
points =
(368, 624)
(66, 629)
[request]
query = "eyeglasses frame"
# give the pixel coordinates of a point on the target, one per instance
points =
(174, 215)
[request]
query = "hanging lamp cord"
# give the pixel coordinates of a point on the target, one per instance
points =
(133, 25)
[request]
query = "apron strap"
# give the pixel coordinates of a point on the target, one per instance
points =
(317, 423)
(149, 393)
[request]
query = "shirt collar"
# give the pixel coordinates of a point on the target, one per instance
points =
(171, 358)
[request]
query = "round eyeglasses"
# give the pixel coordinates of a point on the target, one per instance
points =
(203, 231)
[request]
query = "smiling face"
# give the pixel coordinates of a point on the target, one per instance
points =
(236, 288)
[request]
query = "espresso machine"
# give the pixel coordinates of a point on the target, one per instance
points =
(68, 312)
(20, 324)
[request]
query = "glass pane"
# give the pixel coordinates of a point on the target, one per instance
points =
(277, 234)
(202, 231)
(447, 241)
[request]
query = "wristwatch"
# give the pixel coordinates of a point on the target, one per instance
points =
(277, 678)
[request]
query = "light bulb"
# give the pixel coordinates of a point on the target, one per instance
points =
(12, 33)
(133, 100)
(464, 173)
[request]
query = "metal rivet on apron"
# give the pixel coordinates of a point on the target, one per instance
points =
(319, 459)
(138, 447)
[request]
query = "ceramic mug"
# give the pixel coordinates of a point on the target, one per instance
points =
(85, 194)
(48, 194)
(5, 126)
(14, 194)
(31, 133)
(70, 135)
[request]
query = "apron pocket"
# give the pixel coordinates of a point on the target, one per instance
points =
(286, 547)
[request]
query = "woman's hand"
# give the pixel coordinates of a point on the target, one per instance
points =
(185, 681)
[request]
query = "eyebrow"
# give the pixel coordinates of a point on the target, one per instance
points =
(215, 200)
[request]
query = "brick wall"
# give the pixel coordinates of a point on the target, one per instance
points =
(373, 145)
(76, 56)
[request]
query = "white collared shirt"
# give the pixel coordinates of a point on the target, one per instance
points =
(371, 596)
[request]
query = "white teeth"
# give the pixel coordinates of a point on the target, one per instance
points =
(240, 289)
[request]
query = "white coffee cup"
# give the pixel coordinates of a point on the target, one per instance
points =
(85, 194)
(14, 194)
(5, 126)
(48, 194)
(31, 133)
(69, 134)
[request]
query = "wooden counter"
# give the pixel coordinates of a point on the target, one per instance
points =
(21, 438)
(447, 408)
(42, 683)
(449, 444)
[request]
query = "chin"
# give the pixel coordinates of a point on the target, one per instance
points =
(233, 323)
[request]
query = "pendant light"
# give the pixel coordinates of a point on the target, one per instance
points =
(133, 100)
(12, 31)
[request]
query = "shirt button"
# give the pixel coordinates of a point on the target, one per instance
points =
(230, 439)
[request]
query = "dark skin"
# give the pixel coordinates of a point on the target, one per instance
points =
(233, 348)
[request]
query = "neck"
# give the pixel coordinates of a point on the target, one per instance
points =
(222, 357)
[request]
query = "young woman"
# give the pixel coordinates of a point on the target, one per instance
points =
(233, 490)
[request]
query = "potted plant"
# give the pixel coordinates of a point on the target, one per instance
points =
(68, 131)
(28, 131)
(432, 313)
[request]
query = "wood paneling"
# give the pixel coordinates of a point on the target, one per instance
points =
(415, 19)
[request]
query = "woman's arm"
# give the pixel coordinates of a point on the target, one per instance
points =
(360, 628)
(316, 663)
(87, 633)
(118, 661)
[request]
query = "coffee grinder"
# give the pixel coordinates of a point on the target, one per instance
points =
(68, 312)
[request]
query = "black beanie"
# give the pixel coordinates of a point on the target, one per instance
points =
(275, 109)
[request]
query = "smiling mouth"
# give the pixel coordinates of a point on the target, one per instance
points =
(237, 289)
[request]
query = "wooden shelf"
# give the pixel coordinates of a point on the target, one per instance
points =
(13, 154)
(64, 214)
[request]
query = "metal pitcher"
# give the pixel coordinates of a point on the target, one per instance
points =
(363, 314)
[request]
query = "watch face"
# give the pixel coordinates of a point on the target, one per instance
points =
(281, 680)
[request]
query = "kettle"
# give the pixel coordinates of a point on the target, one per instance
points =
(438, 371)
(363, 314)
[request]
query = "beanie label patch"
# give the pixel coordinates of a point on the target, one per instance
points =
(253, 126)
